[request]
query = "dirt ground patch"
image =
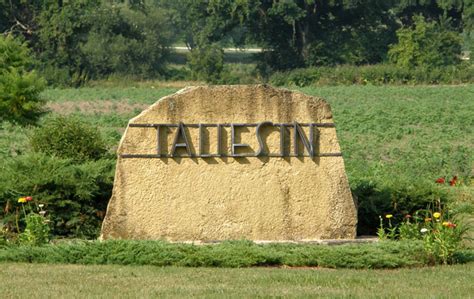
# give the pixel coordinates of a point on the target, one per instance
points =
(92, 107)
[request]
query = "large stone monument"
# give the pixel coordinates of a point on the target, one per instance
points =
(231, 162)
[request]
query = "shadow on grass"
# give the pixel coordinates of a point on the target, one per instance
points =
(464, 256)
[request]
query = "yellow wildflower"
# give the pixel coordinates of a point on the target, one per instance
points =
(437, 215)
(388, 216)
(446, 223)
(22, 199)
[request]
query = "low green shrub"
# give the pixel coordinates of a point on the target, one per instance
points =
(397, 199)
(239, 73)
(374, 74)
(385, 254)
(74, 195)
(178, 74)
(68, 137)
(297, 77)
(372, 201)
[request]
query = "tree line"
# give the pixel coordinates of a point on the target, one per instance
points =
(75, 41)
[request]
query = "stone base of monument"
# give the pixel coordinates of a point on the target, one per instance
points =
(231, 163)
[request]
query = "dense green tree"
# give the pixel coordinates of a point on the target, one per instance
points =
(20, 86)
(433, 10)
(203, 26)
(458, 14)
(207, 63)
(92, 39)
(426, 44)
(78, 40)
(314, 32)
(468, 17)
(293, 33)
(127, 41)
(20, 16)
(64, 27)
(200, 22)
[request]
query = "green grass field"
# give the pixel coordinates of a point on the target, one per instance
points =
(77, 281)
(395, 139)
(383, 130)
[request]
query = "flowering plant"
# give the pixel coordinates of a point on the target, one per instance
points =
(389, 232)
(452, 182)
(441, 236)
(37, 229)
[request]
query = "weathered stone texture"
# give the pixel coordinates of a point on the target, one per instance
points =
(255, 198)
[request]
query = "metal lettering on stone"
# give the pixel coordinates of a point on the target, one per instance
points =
(181, 140)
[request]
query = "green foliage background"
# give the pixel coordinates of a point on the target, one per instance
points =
(427, 44)
(78, 41)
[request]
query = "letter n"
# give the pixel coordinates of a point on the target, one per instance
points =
(300, 135)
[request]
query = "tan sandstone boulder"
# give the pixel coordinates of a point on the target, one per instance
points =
(231, 162)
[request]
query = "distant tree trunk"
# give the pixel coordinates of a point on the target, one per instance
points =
(303, 38)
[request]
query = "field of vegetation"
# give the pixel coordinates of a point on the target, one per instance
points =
(384, 130)
(396, 140)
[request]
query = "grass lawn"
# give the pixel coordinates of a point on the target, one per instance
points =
(396, 140)
(72, 281)
(383, 130)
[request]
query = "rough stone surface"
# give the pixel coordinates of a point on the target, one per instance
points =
(209, 199)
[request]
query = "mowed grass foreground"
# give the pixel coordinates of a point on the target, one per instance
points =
(111, 281)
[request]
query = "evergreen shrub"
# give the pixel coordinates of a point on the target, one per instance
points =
(20, 86)
(74, 195)
(231, 254)
(68, 137)
(397, 199)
